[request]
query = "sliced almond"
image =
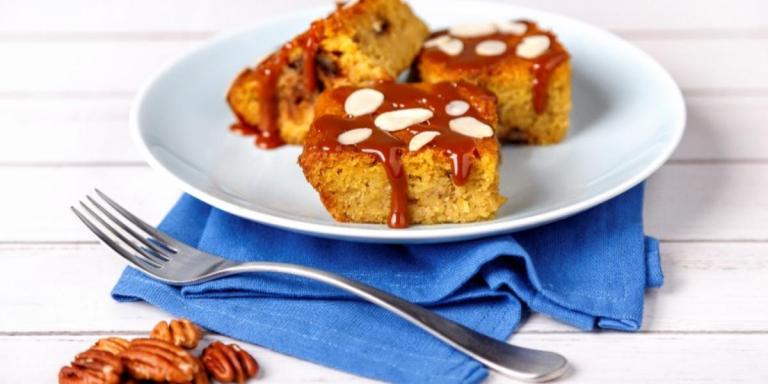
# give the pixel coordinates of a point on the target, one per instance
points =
(402, 118)
(354, 136)
(421, 139)
(346, 4)
(469, 126)
(472, 29)
(457, 107)
(451, 47)
(532, 46)
(512, 27)
(363, 101)
(434, 42)
(491, 48)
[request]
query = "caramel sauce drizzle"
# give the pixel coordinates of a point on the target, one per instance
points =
(541, 68)
(267, 75)
(389, 147)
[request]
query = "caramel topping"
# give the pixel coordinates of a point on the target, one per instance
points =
(267, 74)
(469, 60)
(389, 147)
(542, 69)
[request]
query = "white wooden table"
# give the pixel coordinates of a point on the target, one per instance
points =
(68, 70)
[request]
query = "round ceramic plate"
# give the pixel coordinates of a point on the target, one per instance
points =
(628, 116)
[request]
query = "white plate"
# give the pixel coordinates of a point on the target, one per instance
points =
(628, 116)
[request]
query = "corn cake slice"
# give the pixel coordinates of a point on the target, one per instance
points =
(527, 68)
(405, 153)
(360, 42)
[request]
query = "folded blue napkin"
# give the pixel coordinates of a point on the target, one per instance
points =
(590, 271)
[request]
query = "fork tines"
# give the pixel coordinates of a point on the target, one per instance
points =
(146, 246)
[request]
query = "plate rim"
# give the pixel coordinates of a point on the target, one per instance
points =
(425, 234)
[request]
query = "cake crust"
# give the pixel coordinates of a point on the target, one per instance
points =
(366, 41)
(443, 182)
(534, 94)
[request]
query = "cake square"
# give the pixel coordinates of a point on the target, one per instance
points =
(362, 41)
(526, 67)
(405, 154)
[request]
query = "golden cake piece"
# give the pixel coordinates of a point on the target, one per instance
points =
(405, 153)
(527, 68)
(362, 41)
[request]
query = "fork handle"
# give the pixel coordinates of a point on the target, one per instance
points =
(509, 360)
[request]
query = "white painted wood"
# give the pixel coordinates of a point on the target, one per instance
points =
(725, 128)
(37, 199)
(712, 63)
(684, 201)
(69, 293)
(121, 66)
(666, 16)
(68, 70)
(596, 358)
(67, 296)
(75, 130)
(656, 358)
(141, 15)
(66, 130)
(104, 67)
(710, 287)
(37, 359)
(180, 15)
(708, 201)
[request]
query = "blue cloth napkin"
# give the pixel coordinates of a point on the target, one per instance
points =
(590, 271)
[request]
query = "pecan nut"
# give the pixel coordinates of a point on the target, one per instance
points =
(92, 367)
(113, 345)
(229, 363)
(182, 333)
(158, 360)
(201, 377)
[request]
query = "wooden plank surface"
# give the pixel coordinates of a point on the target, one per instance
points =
(703, 201)
(82, 67)
(727, 129)
(705, 63)
(721, 201)
(66, 131)
(66, 296)
(88, 131)
(69, 70)
(596, 358)
(148, 15)
(25, 68)
(24, 354)
(38, 198)
(657, 358)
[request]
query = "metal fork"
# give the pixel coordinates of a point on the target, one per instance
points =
(164, 258)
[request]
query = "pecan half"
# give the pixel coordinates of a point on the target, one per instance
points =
(158, 360)
(113, 345)
(201, 377)
(92, 367)
(182, 333)
(229, 363)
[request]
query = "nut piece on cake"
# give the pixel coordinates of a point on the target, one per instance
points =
(361, 42)
(527, 68)
(405, 153)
